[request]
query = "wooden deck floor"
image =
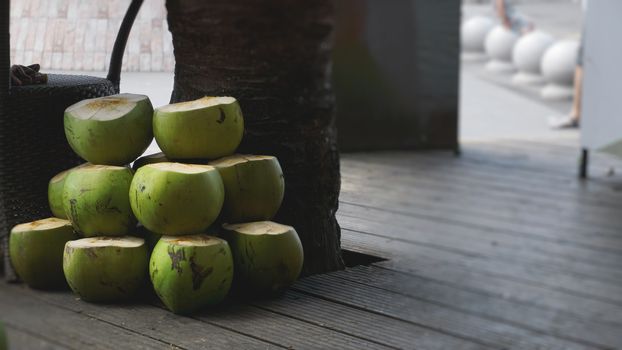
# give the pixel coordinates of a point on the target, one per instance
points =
(502, 248)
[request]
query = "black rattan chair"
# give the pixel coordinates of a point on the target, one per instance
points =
(33, 147)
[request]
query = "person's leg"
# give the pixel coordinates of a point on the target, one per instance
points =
(572, 119)
(501, 9)
(575, 112)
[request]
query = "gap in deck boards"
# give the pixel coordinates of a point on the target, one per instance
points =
(352, 258)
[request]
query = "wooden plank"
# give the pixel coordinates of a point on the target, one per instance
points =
(487, 160)
(70, 329)
(501, 193)
(507, 289)
(536, 234)
(476, 160)
(506, 184)
(21, 339)
(520, 292)
(556, 148)
(560, 148)
(474, 209)
(476, 328)
(567, 214)
(492, 284)
(137, 319)
(229, 321)
(556, 322)
(504, 155)
(491, 200)
(574, 272)
(460, 217)
(529, 160)
(284, 330)
(260, 323)
(481, 243)
(577, 237)
(422, 255)
(355, 217)
(385, 330)
(602, 166)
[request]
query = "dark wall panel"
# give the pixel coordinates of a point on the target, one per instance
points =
(396, 65)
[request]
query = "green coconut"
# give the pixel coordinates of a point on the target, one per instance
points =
(103, 269)
(210, 127)
(268, 256)
(254, 187)
(55, 192)
(112, 130)
(149, 159)
(175, 198)
(36, 251)
(96, 201)
(191, 272)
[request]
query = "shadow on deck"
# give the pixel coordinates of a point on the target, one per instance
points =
(501, 248)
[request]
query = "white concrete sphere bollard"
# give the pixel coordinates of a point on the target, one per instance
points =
(499, 45)
(558, 65)
(473, 33)
(527, 54)
(559, 62)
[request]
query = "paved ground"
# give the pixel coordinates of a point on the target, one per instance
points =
(74, 34)
(492, 108)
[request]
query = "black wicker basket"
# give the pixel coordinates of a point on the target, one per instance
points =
(33, 147)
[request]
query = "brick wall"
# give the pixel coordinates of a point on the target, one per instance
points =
(79, 35)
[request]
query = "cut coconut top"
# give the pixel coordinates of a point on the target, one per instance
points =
(95, 242)
(41, 225)
(105, 108)
(192, 240)
(60, 176)
(97, 167)
(258, 228)
(181, 167)
(207, 101)
(237, 159)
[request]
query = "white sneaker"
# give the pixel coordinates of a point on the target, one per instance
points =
(563, 122)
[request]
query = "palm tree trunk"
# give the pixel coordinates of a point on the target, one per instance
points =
(274, 57)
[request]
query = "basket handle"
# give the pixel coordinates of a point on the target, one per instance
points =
(116, 59)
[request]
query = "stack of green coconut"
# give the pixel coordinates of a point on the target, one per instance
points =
(116, 226)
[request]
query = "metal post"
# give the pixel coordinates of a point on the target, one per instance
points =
(584, 164)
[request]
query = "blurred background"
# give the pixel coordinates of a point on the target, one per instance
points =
(491, 105)
(506, 246)
(77, 36)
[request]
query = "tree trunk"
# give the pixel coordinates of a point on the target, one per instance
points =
(274, 57)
